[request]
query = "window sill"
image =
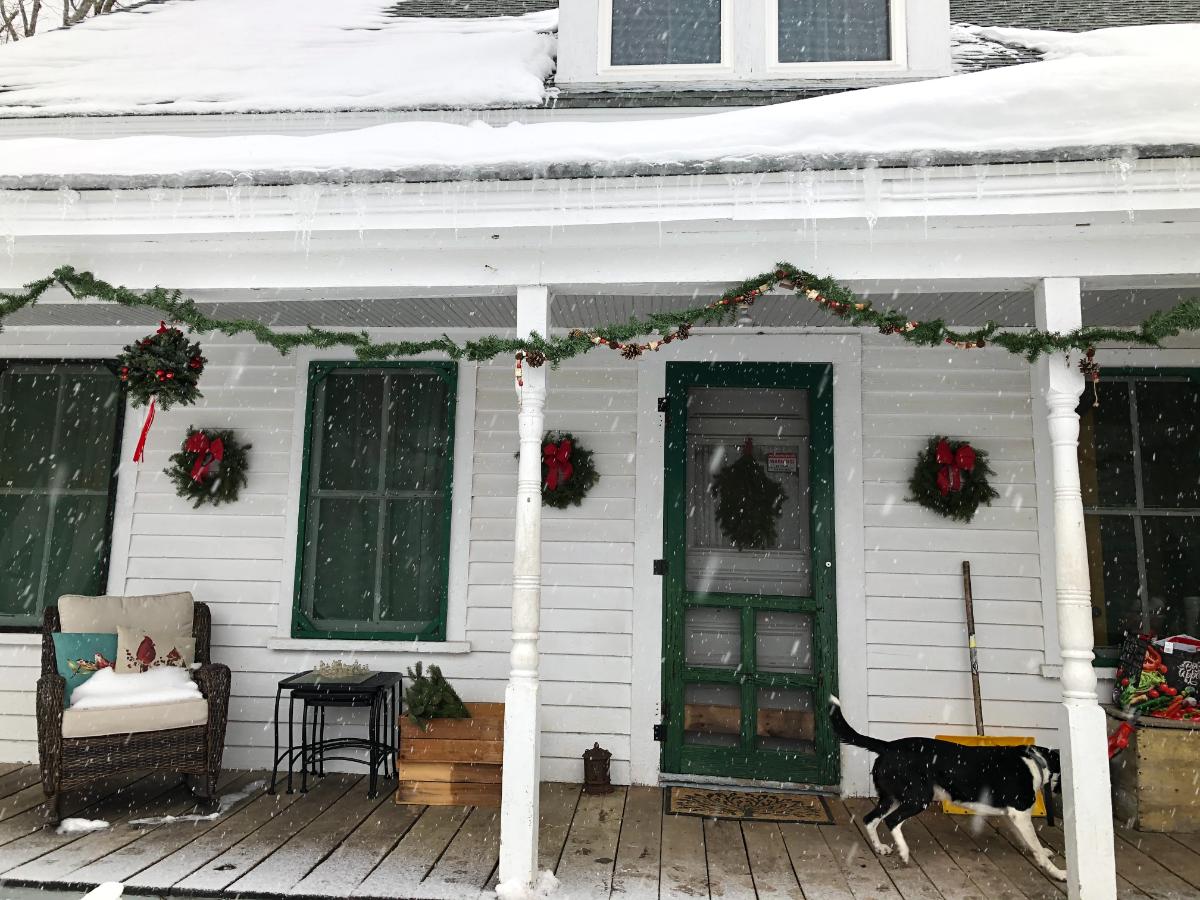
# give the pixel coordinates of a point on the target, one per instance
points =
(307, 644)
(1102, 672)
(21, 638)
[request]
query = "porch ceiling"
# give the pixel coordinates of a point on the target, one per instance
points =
(497, 312)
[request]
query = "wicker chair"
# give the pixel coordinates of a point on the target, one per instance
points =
(72, 762)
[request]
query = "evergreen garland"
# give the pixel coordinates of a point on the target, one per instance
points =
(933, 479)
(164, 366)
(749, 502)
(205, 474)
(583, 475)
(537, 350)
(431, 697)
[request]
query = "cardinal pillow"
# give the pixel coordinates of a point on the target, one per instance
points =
(140, 651)
(79, 656)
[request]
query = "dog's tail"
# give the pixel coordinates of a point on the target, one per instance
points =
(846, 734)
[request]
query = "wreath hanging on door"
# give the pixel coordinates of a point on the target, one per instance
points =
(951, 478)
(749, 502)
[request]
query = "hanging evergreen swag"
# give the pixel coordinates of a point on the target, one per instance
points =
(164, 369)
(951, 478)
(568, 472)
(749, 502)
(210, 467)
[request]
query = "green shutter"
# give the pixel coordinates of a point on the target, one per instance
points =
(374, 542)
(60, 426)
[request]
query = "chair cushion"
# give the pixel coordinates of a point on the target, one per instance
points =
(77, 723)
(162, 613)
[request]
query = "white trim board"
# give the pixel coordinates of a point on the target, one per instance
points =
(844, 351)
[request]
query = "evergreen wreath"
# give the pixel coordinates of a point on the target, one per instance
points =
(164, 367)
(431, 697)
(210, 467)
(568, 471)
(749, 502)
(951, 478)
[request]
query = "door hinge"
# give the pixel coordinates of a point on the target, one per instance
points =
(660, 567)
(660, 732)
(664, 407)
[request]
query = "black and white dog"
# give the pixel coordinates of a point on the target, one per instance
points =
(911, 773)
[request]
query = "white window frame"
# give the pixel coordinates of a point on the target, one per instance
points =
(728, 66)
(897, 41)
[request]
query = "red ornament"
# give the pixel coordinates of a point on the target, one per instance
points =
(162, 328)
(170, 375)
(195, 363)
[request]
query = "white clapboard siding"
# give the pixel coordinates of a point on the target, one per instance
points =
(918, 667)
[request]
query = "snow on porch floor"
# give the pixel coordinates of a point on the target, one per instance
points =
(334, 842)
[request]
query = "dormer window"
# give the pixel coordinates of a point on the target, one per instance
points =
(825, 31)
(726, 44)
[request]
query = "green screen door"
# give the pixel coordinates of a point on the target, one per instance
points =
(749, 625)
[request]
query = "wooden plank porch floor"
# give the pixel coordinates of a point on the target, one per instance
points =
(335, 842)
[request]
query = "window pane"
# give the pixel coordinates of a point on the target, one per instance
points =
(418, 432)
(784, 642)
(785, 719)
(341, 562)
(86, 435)
(1106, 448)
(1169, 435)
(833, 30)
(712, 637)
(78, 546)
(21, 546)
(350, 433)
(1172, 545)
(1113, 565)
(666, 32)
(712, 715)
(28, 409)
(414, 563)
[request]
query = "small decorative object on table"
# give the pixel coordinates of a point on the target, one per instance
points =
(951, 478)
(568, 472)
(340, 670)
(596, 775)
(749, 502)
(210, 467)
(162, 368)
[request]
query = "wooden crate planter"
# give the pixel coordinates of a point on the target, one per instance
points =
(1154, 778)
(456, 762)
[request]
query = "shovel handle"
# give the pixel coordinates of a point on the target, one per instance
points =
(972, 648)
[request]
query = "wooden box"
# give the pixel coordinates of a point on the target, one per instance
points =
(1154, 779)
(455, 762)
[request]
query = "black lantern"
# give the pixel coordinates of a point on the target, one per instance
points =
(596, 778)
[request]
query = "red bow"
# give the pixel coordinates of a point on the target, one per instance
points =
(557, 460)
(953, 463)
(207, 452)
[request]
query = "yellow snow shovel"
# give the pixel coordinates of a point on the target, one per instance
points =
(979, 739)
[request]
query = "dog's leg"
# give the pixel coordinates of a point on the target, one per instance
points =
(896, 818)
(1023, 823)
(871, 821)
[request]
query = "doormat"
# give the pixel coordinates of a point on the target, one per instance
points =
(749, 806)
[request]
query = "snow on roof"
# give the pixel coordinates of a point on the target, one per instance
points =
(277, 56)
(1106, 90)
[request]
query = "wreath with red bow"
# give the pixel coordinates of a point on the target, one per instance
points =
(951, 478)
(568, 471)
(210, 467)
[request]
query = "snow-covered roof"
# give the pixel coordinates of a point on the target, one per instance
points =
(209, 56)
(1099, 94)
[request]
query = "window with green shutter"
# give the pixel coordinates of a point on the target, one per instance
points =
(374, 542)
(60, 427)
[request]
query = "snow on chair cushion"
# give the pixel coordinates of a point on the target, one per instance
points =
(111, 703)
(161, 613)
(143, 649)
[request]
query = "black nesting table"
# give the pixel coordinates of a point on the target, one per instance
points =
(379, 693)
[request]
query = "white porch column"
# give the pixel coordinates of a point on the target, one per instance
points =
(1087, 818)
(522, 734)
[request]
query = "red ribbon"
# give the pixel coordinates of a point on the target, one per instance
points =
(139, 452)
(207, 452)
(557, 460)
(953, 464)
